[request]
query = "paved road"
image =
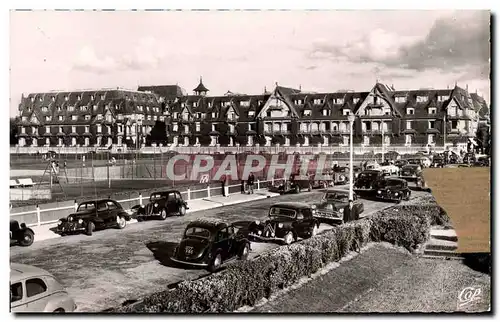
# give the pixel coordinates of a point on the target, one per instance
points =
(113, 266)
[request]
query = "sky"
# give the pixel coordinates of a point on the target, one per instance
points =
(244, 52)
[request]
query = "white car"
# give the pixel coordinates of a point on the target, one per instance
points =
(426, 162)
(33, 289)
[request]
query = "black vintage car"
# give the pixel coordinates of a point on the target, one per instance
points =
(411, 172)
(21, 234)
(294, 185)
(366, 181)
(209, 243)
(438, 161)
(161, 204)
(287, 222)
(331, 208)
(92, 215)
(400, 163)
(393, 189)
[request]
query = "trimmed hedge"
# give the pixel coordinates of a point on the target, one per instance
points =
(247, 282)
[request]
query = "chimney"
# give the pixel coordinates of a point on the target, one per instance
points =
(276, 84)
(300, 88)
(265, 89)
(467, 88)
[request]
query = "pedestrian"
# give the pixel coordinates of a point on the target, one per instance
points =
(250, 182)
(349, 213)
(223, 180)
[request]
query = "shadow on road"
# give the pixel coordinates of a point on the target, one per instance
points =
(480, 262)
(162, 251)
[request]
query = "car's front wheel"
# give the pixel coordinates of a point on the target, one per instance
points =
(297, 189)
(399, 199)
(163, 214)
(27, 239)
(90, 228)
(215, 263)
(182, 210)
(288, 239)
(122, 222)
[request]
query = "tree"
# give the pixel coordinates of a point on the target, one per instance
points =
(158, 133)
(14, 131)
(483, 138)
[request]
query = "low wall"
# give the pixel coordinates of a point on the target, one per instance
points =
(29, 193)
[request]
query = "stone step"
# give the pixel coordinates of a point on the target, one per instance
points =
(442, 253)
(439, 244)
(444, 234)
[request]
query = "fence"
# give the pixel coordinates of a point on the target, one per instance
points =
(44, 214)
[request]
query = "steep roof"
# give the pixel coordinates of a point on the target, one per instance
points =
(201, 87)
(170, 92)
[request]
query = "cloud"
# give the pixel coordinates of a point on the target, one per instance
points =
(147, 54)
(456, 43)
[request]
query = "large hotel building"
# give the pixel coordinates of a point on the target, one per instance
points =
(284, 116)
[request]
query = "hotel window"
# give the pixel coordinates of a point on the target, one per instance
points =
(409, 125)
(155, 118)
(102, 97)
(195, 104)
(87, 129)
(346, 112)
(209, 104)
(87, 117)
(73, 129)
(432, 110)
(355, 100)
(108, 129)
(99, 116)
(47, 129)
(198, 126)
(29, 109)
(245, 103)
(400, 99)
(48, 118)
(186, 129)
(83, 108)
(410, 111)
(203, 115)
(60, 118)
(198, 115)
(408, 138)
(298, 102)
(66, 98)
(276, 127)
(45, 109)
(99, 128)
(442, 98)
(23, 130)
(33, 130)
(231, 115)
(175, 127)
(251, 113)
(431, 139)
(71, 108)
(251, 126)
(58, 108)
(53, 98)
(307, 112)
(25, 118)
(325, 112)
(92, 97)
(421, 99)
(340, 101)
(318, 101)
(120, 116)
(74, 117)
(94, 107)
(61, 129)
(79, 97)
(175, 115)
(40, 99)
(185, 116)
(32, 99)
(214, 115)
(231, 128)
(213, 127)
(432, 124)
(454, 124)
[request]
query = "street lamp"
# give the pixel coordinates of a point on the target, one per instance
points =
(350, 118)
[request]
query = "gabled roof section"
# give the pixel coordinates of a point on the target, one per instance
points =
(380, 91)
(280, 94)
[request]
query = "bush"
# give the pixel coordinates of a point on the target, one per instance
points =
(247, 282)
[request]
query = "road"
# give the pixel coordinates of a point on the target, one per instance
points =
(113, 266)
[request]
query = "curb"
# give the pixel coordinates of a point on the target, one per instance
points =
(39, 235)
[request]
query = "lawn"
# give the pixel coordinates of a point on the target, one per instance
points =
(465, 195)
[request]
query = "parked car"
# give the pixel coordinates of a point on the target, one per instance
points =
(483, 161)
(393, 189)
(161, 205)
(33, 289)
(454, 158)
(438, 161)
(21, 234)
(366, 180)
(330, 209)
(411, 172)
(294, 185)
(389, 168)
(400, 163)
(287, 222)
(341, 175)
(210, 243)
(92, 215)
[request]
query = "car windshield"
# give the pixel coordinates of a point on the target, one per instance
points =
(86, 206)
(336, 196)
(197, 232)
(282, 212)
(390, 183)
(156, 196)
(367, 175)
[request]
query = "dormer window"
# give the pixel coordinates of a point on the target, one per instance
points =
(410, 111)
(40, 99)
(209, 104)
(245, 103)
(83, 108)
(355, 100)
(432, 110)
(298, 102)
(442, 98)
(214, 128)
(94, 107)
(231, 115)
(66, 98)
(29, 109)
(58, 108)
(53, 98)
(32, 99)
(60, 118)
(307, 112)
(251, 113)
(45, 109)
(92, 97)
(198, 115)
(318, 101)
(175, 115)
(74, 117)
(102, 97)
(48, 118)
(87, 117)
(339, 101)
(175, 127)
(325, 112)
(346, 112)
(79, 97)
(400, 99)
(421, 99)
(214, 115)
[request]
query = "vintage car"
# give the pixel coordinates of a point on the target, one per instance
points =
(287, 222)
(366, 180)
(35, 290)
(438, 161)
(411, 172)
(210, 243)
(389, 168)
(21, 234)
(341, 175)
(393, 189)
(330, 209)
(294, 185)
(161, 205)
(400, 163)
(92, 215)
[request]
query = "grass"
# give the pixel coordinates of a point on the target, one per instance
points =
(464, 193)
